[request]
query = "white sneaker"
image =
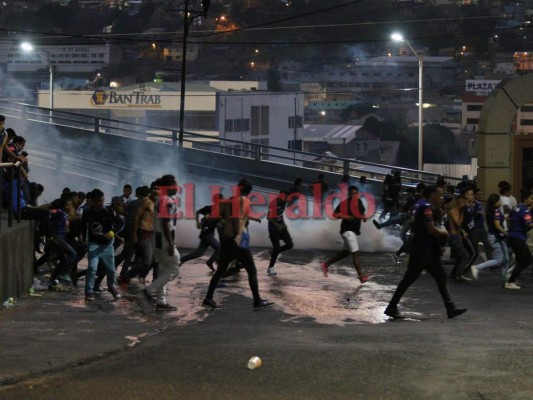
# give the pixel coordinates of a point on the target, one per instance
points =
(511, 285)
(271, 272)
(474, 271)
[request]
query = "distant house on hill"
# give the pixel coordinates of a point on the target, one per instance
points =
(345, 141)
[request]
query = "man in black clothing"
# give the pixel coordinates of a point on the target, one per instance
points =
(351, 211)
(425, 253)
(100, 224)
(277, 229)
(207, 227)
(234, 245)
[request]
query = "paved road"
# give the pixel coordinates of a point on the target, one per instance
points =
(325, 339)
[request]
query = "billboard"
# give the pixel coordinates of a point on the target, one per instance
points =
(480, 86)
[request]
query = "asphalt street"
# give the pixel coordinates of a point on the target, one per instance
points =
(324, 339)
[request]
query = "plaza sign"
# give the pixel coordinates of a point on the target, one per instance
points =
(481, 87)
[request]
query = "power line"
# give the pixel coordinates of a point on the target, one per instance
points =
(278, 42)
(307, 14)
(103, 37)
(368, 23)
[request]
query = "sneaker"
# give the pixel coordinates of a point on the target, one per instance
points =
(165, 307)
(392, 311)
(364, 279)
(262, 304)
(89, 297)
(324, 269)
(210, 304)
(271, 272)
(376, 224)
(115, 293)
(65, 277)
(474, 271)
(396, 259)
(455, 312)
(210, 265)
(511, 285)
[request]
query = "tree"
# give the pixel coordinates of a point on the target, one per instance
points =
(373, 125)
(274, 80)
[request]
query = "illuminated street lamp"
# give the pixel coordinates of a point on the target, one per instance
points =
(27, 47)
(398, 37)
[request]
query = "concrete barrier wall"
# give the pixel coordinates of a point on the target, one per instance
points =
(16, 259)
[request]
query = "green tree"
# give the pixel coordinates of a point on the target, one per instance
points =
(274, 80)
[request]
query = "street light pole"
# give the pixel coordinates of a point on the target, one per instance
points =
(28, 48)
(187, 20)
(183, 68)
(420, 113)
(399, 38)
(51, 69)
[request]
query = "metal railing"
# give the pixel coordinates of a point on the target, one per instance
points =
(206, 143)
(12, 170)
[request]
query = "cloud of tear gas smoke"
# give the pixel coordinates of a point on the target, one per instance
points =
(358, 53)
(83, 175)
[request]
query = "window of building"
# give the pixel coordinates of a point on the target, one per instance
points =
(365, 146)
(295, 145)
(260, 124)
(299, 122)
(526, 109)
(228, 126)
(472, 121)
(240, 125)
(526, 122)
(474, 107)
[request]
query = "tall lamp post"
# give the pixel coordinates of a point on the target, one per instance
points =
(398, 37)
(188, 17)
(28, 48)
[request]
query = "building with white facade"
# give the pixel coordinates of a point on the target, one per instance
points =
(64, 58)
(266, 118)
(158, 105)
(385, 72)
(477, 92)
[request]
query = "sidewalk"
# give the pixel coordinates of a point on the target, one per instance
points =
(57, 331)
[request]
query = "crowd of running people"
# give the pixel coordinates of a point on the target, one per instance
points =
(141, 224)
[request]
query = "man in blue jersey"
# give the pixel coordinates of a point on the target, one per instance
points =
(60, 227)
(425, 254)
(520, 222)
(471, 213)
